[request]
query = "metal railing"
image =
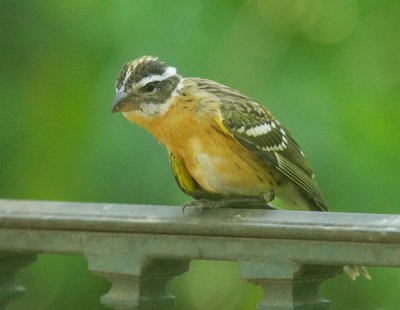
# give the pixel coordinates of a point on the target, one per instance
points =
(140, 248)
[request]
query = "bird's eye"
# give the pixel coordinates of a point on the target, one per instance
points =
(149, 87)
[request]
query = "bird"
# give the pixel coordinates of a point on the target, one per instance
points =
(224, 147)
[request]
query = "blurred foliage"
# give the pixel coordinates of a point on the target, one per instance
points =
(329, 70)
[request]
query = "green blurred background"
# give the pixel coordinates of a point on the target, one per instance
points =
(328, 70)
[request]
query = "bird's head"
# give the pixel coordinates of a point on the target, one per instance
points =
(144, 87)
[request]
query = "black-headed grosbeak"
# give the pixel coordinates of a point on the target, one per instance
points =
(223, 146)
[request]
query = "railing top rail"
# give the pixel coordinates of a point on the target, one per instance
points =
(255, 223)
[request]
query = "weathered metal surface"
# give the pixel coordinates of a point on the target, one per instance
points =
(288, 285)
(207, 247)
(139, 248)
(137, 282)
(215, 222)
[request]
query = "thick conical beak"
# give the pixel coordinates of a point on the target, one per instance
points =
(125, 102)
(119, 100)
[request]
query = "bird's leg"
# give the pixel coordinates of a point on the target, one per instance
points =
(260, 202)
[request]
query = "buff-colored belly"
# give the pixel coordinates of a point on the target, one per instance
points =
(221, 165)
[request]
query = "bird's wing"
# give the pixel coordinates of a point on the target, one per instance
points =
(256, 129)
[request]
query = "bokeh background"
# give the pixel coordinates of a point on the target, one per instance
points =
(328, 69)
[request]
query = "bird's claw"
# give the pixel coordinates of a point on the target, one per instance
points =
(199, 204)
(204, 204)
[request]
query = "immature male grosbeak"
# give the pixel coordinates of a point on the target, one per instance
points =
(224, 147)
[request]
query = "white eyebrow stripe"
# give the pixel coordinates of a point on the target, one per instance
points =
(170, 71)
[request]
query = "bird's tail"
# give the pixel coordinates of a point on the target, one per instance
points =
(355, 271)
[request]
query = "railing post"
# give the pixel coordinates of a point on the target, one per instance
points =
(10, 263)
(137, 282)
(287, 285)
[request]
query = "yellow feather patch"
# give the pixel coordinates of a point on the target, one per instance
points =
(221, 126)
(182, 175)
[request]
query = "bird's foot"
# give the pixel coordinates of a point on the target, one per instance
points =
(202, 204)
(247, 203)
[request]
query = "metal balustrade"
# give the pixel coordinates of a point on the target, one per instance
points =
(139, 248)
